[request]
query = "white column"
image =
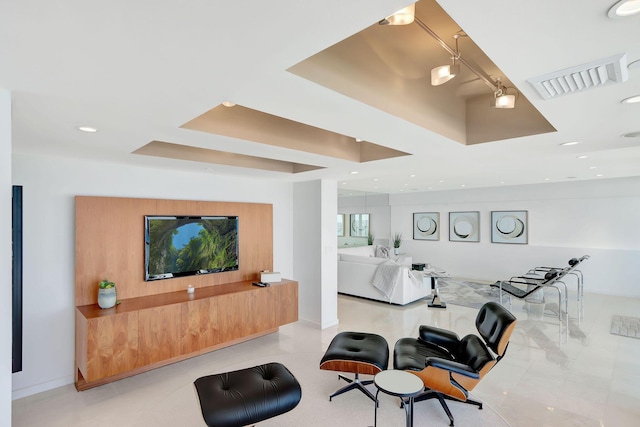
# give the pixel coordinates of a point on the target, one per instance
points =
(329, 255)
(314, 251)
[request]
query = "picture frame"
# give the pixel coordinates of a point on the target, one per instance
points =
(359, 225)
(509, 227)
(464, 226)
(340, 225)
(426, 226)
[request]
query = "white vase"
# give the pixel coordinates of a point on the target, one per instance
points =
(107, 297)
(396, 251)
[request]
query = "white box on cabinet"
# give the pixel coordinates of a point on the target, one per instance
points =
(269, 276)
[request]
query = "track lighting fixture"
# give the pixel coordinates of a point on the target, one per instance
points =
(402, 17)
(444, 73)
(500, 97)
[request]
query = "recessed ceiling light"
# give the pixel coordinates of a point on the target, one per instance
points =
(631, 100)
(624, 8)
(501, 182)
(344, 183)
(565, 144)
(547, 179)
(583, 157)
(406, 185)
(353, 172)
(228, 104)
(430, 188)
(358, 140)
(413, 175)
(593, 167)
(599, 175)
(375, 179)
(87, 129)
(441, 181)
(632, 135)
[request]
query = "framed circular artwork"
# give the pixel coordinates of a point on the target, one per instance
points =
(509, 227)
(464, 226)
(426, 226)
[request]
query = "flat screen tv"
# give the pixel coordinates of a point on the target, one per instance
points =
(177, 246)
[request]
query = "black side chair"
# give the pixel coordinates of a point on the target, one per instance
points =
(451, 367)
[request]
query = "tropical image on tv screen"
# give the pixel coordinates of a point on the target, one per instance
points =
(191, 245)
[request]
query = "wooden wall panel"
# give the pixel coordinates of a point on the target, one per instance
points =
(110, 244)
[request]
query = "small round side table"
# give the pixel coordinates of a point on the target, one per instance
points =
(398, 383)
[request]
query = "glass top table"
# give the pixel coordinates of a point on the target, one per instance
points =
(433, 274)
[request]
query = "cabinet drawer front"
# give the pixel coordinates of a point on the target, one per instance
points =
(112, 345)
(159, 334)
(246, 313)
(199, 325)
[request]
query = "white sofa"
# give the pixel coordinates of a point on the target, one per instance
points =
(357, 267)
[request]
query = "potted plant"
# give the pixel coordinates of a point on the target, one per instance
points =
(370, 239)
(106, 294)
(397, 241)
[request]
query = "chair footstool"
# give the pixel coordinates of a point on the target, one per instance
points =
(247, 396)
(357, 353)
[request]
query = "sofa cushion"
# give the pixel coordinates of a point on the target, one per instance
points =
(361, 259)
(358, 250)
(382, 252)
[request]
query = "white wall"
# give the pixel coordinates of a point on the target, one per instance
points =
(50, 185)
(598, 218)
(5, 258)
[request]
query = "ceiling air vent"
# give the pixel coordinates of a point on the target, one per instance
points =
(582, 77)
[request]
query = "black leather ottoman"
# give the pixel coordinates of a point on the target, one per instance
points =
(247, 396)
(357, 353)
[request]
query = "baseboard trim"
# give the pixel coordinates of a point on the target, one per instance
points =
(39, 388)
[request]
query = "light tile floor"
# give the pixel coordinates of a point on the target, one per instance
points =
(592, 379)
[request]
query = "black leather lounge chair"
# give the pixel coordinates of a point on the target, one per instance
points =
(451, 367)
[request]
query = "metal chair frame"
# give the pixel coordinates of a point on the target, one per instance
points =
(579, 282)
(535, 281)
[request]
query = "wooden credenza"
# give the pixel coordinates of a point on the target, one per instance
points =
(144, 333)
